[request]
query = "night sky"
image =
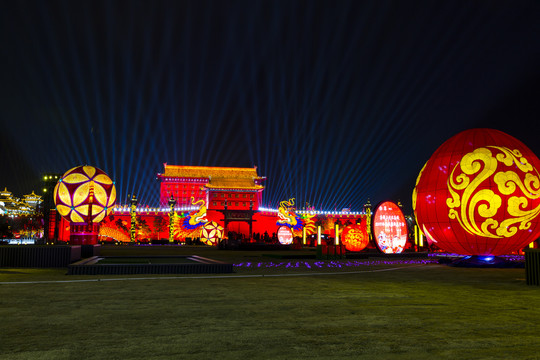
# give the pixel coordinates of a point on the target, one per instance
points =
(334, 101)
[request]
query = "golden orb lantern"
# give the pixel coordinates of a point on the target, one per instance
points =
(83, 196)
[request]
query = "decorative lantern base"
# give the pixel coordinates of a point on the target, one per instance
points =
(83, 234)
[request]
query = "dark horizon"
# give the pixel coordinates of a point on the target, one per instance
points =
(334, 102)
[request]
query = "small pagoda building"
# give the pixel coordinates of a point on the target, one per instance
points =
(11, 205)
(33, 200)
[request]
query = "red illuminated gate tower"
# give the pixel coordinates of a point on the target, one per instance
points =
(240, 187)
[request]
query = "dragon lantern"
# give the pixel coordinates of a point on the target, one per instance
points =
(287, 216)
(190, 225)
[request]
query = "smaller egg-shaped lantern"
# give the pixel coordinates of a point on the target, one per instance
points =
(479, 194)
(211, 233)
(285, 235)
(84, 195)
(390, 229)
(355, 237)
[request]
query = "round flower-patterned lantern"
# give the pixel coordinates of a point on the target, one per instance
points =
(211, 233)
(355, 237)
(479, 194)
(84, 195)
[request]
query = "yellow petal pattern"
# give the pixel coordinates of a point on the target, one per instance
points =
(99, 217)
(81, 194)
(96, 209)
(100, 195)
(76, 218)
(83, 209)
(103, 179)
(63, 210)
(75, 178)
(63, 194)
(112, 197)
(56, 191)
(89, 170)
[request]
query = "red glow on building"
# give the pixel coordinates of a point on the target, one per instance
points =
(238, 188)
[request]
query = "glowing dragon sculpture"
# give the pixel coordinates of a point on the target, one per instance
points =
(287, 216)
(197, 218)
(189, 225)
(309, 224)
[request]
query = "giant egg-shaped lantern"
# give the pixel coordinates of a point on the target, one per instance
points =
(479, 194)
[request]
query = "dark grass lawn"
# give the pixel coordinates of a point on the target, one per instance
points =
(377, 312)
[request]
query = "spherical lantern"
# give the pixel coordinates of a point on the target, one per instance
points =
(211, 233)
(479, 194)
(85, 194)
(355, 237)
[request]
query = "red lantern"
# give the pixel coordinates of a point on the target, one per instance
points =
(479, 194)
(355, 237)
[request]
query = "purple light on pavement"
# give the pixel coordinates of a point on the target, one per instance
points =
(336, 264)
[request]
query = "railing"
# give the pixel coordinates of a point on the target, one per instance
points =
(532, 266)
(38, 256)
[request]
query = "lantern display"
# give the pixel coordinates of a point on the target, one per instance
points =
(479, 194)
(355, 237)
(211, 233)
(83, 196)
(285, 235)
(389, 228)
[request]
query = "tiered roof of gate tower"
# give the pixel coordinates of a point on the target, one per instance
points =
(239, 188)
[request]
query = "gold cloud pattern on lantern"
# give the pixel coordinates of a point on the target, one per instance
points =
(468, 199)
